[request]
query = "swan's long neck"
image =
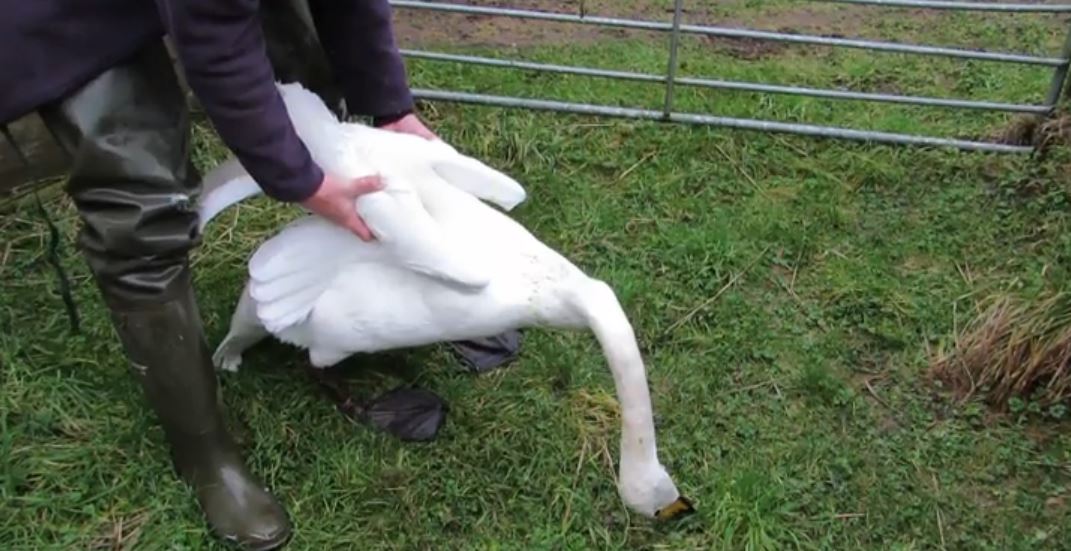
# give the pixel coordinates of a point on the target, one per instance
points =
(608, 321)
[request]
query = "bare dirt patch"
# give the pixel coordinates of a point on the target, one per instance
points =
(745, 48)
(421, 28)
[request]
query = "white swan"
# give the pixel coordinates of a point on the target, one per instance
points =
(445, 267)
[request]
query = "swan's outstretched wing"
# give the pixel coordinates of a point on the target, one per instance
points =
(475, 177)
(290, 271)
(410, 237)
(409, 153)
(472, 176)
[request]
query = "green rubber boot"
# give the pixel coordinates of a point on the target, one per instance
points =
(170, 357)
(127, 132)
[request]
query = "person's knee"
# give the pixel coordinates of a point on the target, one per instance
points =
(137, 244)
(131, 178)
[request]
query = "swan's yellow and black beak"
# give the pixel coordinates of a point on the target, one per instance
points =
(680, 508)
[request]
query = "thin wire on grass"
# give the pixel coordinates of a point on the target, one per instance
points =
(736, 166)
(54, 238)
(4, 257)
(732, 281)
(637, 164)
(61, 274)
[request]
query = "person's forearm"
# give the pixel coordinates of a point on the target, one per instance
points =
(358, 40)
(221, 47)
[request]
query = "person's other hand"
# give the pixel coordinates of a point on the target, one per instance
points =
(335, 200)
(411, 124)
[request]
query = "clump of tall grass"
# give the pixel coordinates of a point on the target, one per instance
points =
(1015, 348)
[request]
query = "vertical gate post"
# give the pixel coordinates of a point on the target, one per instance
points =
(1059, 76)
(671, 70)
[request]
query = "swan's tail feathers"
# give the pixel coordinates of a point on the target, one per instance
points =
(245, 331)
(223, 186)
(475, 177)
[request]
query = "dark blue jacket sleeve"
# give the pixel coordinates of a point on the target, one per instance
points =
(359, 42)
(221, 47)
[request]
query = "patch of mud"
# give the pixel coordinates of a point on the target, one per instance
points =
(745, 48)
(422, 28)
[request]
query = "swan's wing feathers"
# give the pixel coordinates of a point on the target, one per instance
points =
(460, 171)
(477, 178)
(290, 271)
(411, 237)
(288, 309)
(284, 284)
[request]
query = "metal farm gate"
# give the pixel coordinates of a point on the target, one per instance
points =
(23, 166)
(675, 29)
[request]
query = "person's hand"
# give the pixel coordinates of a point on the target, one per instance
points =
(411, 124)
(335, 200)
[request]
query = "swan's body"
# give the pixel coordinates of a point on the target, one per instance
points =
(445, 267)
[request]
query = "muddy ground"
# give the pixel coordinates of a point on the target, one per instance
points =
(422, 28)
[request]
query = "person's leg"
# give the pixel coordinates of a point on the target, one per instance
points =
(134, 186)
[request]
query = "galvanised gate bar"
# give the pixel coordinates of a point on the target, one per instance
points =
(670, 79)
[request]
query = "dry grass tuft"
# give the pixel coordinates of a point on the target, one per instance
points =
(1020, 130)
(596, 413)
(1034, 131)
(1015, 348)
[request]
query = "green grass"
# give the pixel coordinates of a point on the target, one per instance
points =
(793, 408)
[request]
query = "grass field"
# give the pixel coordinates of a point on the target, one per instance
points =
(793, 408)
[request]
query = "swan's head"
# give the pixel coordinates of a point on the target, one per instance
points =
(648, 490)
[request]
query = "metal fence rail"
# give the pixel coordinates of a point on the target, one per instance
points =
(962, 5)
(670, 80)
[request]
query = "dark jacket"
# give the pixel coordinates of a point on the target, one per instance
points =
(49, 48)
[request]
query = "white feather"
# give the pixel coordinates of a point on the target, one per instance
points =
(223, 186)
